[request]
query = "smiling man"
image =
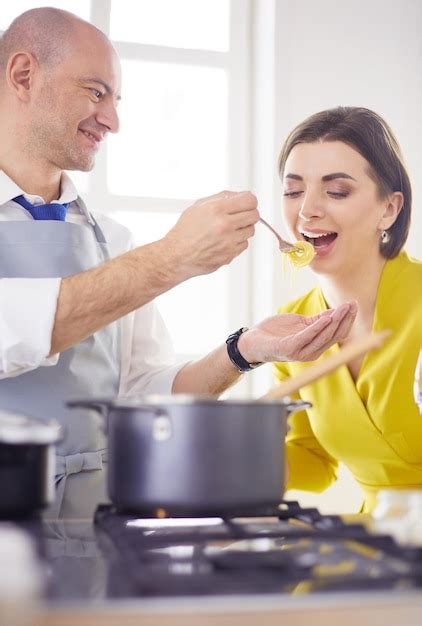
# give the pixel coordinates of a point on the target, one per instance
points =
(77, 317)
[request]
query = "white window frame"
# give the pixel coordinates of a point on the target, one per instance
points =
(237, 62)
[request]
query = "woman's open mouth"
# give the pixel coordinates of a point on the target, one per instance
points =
(323, 242)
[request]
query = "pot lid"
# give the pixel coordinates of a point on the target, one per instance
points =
(186, 399)
(17, 428)
(132, 402)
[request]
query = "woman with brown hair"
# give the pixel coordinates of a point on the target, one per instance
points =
(347, 191)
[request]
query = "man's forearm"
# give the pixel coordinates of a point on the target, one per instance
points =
(209, 234)
(210, 375)
(92, 299)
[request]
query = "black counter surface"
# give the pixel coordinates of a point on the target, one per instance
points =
(285, 552)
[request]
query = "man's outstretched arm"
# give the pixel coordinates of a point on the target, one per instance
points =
(286, 337)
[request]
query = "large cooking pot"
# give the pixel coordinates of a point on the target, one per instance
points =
(27, 463)
(190, 455)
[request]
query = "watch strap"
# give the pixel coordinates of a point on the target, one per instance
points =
(241, 364)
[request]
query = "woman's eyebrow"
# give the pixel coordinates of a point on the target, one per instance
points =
(294, 176)
(325, 178)
(335, 175)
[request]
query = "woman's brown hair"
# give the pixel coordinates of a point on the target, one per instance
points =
(370, 135)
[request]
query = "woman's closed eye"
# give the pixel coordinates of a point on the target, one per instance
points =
(338, 194)
(292, 194)
(332, 193)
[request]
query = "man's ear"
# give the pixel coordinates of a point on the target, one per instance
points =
(19, 74)
(392, 209)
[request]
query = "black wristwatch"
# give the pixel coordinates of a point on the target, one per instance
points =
(235, 357)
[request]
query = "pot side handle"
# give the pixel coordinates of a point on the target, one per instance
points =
(161, 426)
(294, 406)
(162, 429)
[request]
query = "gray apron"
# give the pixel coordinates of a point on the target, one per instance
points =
(47, 249)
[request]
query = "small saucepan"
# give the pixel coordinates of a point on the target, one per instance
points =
(27, 463)
(193, 455)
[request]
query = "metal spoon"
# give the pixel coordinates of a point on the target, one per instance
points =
(284, 245)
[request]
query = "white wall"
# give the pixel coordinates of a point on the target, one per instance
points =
(361, 53)
(316, 54)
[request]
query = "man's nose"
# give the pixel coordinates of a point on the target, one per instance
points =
(311, 206)
(107, 116)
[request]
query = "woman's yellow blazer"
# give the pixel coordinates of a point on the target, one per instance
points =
(372, 426)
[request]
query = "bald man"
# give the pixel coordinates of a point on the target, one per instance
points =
(77, 317)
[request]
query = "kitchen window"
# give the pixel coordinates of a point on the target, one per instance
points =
(184, 135)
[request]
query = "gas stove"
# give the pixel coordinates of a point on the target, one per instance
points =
(283, 550)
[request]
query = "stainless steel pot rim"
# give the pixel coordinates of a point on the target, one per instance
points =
(16, 428)
(132, 402)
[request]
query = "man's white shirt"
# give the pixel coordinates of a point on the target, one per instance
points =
(28, 308)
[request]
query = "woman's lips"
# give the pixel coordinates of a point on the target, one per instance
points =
(322, 242)
(325, 248)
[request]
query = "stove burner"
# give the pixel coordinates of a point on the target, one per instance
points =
(282, 549)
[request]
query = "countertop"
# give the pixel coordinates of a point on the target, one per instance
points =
(336, 610)
(77, 572)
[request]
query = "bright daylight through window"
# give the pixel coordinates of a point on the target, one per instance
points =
(181, 119)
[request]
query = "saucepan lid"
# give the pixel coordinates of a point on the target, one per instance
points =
(16, 428)
(133, 402)
(156, 402)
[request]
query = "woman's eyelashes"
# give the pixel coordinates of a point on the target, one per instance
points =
(332, 194)
(338, 194)
(292, 194)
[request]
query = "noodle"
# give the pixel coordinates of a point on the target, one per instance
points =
(302, 254)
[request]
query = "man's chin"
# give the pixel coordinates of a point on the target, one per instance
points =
(81, 165)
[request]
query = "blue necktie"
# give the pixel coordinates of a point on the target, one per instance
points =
(53, 211)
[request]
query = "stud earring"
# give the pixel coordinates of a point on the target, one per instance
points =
(385, 236)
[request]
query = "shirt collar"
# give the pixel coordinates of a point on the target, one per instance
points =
(9, 190)
(68, 189)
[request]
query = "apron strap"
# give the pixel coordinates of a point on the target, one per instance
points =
(90, 218)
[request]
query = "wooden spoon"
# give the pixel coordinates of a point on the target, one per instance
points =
(333, 361)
